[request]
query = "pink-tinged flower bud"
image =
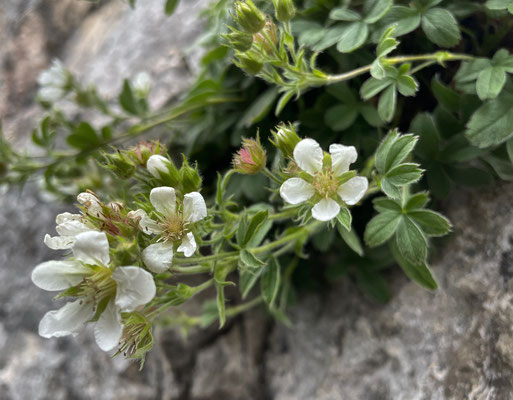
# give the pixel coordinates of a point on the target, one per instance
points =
(249, 17)
(267, 38)
(251, 158)
(142, 151)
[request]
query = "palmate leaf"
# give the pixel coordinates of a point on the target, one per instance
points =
(441, 27)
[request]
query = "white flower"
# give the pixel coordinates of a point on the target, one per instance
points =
(325, 183)
(91, 203)
(124, 289)
(54, 82)
(173, 225)
(142, 84)
(157, 165)
(68, 227)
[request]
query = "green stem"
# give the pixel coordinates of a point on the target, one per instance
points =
(270, 175)
(285, 239)
(195, 269)
(232, 311)
(439, 57)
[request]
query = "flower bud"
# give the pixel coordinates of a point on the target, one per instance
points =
(144, 150)
(191, 179)
(119, 163)
(238, 40)
(162, 168)
(267, 38)
(249, 17)
(285, 10)
(285, 139)
(251, 158)
(248, 63)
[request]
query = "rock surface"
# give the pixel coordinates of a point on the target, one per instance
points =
(456, 343)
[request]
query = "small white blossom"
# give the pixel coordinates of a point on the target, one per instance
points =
(91, 203)
(157, 165)
(325, 184)
(124, 289)
(54, 82)
(68, 227)
(172, 226)
(142, 84)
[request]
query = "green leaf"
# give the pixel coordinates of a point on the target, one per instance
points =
(340, 117)
(351, 239)
(127, 99)
(270, 281)
(171, 6)
(370, 114)
(374, 10)
(249, 259)
(372, 283)
(429, 139)
(259, 108)
(490, 82)
(509, 148)
(353, 37)
(416, 201)
(447, 98)
(420, 274)
(247, 280)
(344, 218)
(284, 99)
(330, 37)
(387, 43)
(498, 4)
(389, 189)
(221, 305)
(383, 149)
(382, 204)
(411, 242)
(84, 137)
(503, 168)
(399, 150)
(492, 123)
(381, 228)
(407, 85)
(344, 14)
(404, 174)
(406, 19)
(256, 222)
(441, 27)
(431, 223)
(387, 103)
(372, 86)
(438, 181)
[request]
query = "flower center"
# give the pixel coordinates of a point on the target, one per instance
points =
(325, 183)
(97, 286)
(134, 336)
(174, 227)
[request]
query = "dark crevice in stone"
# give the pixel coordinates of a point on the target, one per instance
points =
(265, 391)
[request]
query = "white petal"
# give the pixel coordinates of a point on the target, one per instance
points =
(158, 257)
(65, 217)
(325, 210)
(308, 156)
(92, 248)
(342, 157)
(108, 328)
(71, 228)
(68, 320)
(296, 190)
(59, 242)
(353, 190)
(51, 94)
(188, 246)
(156, 164)
(58, 275)
(164, 200)
(194, 207)
(91, 203)
(146, 224)
(136, 287)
